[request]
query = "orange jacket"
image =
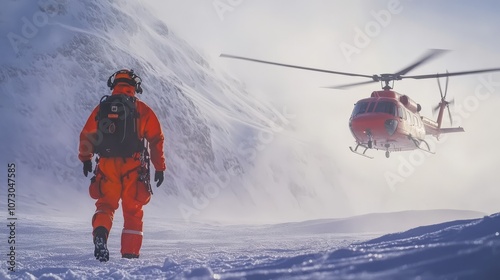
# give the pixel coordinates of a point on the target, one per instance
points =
(148, 124)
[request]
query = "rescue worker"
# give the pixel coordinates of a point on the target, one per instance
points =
(118, 177)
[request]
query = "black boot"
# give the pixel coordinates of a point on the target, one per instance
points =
(130, 256)
(101, 252)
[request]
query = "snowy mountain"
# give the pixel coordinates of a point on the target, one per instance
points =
(225, 149)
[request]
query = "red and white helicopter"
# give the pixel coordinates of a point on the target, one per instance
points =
(388, 120)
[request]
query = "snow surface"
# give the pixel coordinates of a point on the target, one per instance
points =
(227, 160)
(463, 249)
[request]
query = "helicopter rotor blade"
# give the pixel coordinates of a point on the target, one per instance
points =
(435, 109)
(346, 86)
(440, 90)
(449, 114)
(296, 66)
(430, 76)
(432, 53)
(446, 87)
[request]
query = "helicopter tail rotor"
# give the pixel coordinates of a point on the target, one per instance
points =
(444, 103)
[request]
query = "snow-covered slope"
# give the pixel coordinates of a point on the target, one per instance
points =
(225, 149)
(59, 249)
(379, 223)
(464, 249)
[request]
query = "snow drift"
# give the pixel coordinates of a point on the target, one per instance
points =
(461, 249)
(464, 249)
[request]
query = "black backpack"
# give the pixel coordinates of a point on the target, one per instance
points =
(117, 127)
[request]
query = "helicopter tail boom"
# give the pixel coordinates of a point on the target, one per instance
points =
(433, 128)
(451, 130)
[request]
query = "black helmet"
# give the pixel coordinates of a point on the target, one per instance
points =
(125, 76)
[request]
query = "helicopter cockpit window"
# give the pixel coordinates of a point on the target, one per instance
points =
(359, 108)
(370, 108)
(386, 107)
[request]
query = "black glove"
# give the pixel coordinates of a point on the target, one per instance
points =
(158, 178)
(87, 167)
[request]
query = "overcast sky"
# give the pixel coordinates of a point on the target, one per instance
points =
(368, 37)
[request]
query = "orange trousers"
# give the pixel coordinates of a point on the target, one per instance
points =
(119, 180)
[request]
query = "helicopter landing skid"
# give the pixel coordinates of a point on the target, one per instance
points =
(427, 150)
(418, 142)
(355, 150)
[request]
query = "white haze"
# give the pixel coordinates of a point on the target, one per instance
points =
(462, 173)
(304, 169)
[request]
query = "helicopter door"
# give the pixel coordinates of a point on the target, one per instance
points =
(401, 114)
(401, 117)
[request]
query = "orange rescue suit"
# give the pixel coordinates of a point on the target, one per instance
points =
(119, 176)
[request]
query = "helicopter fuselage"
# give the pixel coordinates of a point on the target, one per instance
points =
(388, 121)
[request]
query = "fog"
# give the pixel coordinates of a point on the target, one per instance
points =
(367, 38)
(304, 168)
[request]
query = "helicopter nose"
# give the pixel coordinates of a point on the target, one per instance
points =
(369, 126)
(364, 125)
